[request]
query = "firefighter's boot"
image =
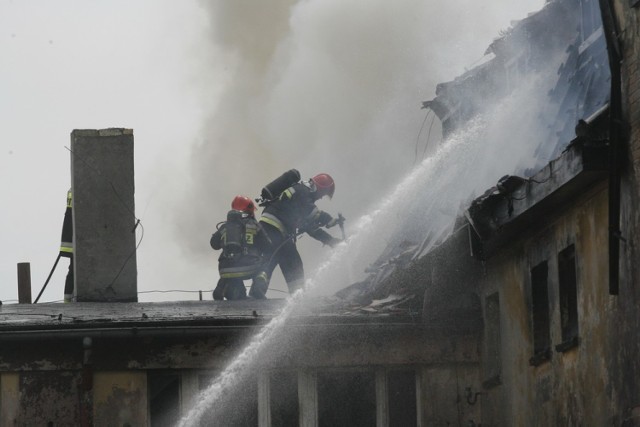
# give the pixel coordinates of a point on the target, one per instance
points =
(218, 292)
(235, 290)
(259, 286)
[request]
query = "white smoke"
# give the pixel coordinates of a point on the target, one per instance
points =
(324, 86)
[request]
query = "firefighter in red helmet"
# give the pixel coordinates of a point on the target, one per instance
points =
(244, 204)
(294, 212)
(242, 242)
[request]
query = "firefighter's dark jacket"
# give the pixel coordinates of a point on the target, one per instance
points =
(66, 240)
(250, 261)
(295, 212)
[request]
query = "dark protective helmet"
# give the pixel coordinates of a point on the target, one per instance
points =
(324, 185)
(244, 204)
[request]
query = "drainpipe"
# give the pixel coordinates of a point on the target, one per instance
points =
(616, 140)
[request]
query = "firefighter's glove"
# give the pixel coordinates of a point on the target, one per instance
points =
(322, 219)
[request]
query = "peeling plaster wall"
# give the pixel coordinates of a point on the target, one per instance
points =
(443, 401)
(596, 382)
(577, 386)
(39, 398)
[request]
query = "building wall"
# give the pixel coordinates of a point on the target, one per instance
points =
(440, 396)
(628, 20)
(595, 382)
(130, 380)
(580, 385)
(448, 396)
(60, 397)
(624, 329)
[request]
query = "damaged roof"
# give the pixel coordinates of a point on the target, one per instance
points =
(577, 102)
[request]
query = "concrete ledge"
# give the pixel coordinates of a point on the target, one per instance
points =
(103, 132)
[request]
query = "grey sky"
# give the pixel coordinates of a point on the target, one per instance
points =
(222, 97)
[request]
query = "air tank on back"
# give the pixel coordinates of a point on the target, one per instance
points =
(272, 190)
(233, 234)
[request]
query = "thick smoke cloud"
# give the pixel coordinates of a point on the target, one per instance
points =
(324, 86)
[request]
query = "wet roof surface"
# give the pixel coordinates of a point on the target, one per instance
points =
(94, 312)
(58, 316)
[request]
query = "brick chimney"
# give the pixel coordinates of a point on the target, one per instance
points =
(104, 219)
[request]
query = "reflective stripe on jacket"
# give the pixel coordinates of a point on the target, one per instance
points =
(274, 221)
(295, 211)
(241, 271)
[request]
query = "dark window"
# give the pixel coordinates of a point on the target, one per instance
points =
(236, 407)
(540, 314)
(346, 399)
(493, 364)
(402, 398)
(283, 388)
(568, 297)
(164, 398)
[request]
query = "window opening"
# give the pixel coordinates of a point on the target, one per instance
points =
(236, 408)
(164, 398)
(346, 399)
(402, 398)
(540, 314)
(568, 291)
(283, 390)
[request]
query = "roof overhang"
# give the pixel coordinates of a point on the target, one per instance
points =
(180, 318)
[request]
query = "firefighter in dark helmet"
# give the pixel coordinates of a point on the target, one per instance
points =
(242, 242)
(292, 213)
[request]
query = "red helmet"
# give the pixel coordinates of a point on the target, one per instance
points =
(244, 204)
(324, 185)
